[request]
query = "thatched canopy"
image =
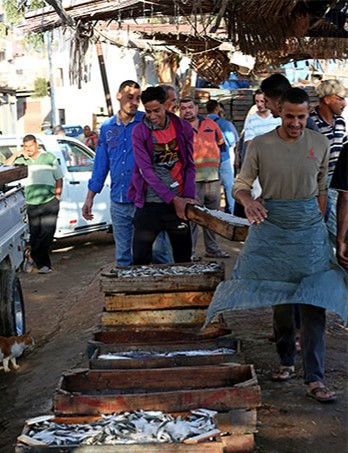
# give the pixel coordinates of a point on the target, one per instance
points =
(272, 31)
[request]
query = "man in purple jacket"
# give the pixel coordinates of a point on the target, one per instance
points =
(163, 179)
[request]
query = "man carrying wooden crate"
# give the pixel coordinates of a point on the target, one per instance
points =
(163, 179)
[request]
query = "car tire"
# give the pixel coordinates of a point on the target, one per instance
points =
(12, 315)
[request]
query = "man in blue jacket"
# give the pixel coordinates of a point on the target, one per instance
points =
(163, 180)
(115, 154)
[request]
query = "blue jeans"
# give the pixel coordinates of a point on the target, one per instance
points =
(209, 195)
(162, 252)
(122, 225)
(227, 180)
(312, 338)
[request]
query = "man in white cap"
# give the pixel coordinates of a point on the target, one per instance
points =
(329, 119)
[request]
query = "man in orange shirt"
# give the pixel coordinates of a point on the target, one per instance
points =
(208, 143)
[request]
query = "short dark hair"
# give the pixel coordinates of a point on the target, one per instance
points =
(29, 138)
(275, 85)
(128, 83)
(211, 105)
(153, 94)
(166, 87)
(295, 96)
(188, 99)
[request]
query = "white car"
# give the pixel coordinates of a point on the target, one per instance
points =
(76, 161)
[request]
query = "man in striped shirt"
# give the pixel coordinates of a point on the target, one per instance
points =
(328, 117)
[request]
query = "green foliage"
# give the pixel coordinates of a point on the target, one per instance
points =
(40, 87)
(15, 13)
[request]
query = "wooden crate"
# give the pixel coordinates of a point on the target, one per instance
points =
(134, 318)
(112, 283)
(239, 426)
(221, 388)
(137, 336)
(143, 361)
(157, 301)
(225, 229)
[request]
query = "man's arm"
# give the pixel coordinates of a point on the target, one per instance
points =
(342, 229)
(88, 205)
(101, 168)
(59, 188)
(13, 158)
(322, 201)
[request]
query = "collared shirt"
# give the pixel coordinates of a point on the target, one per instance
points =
(336, 134)
(43, 172)
(229, 132)
(115, 154)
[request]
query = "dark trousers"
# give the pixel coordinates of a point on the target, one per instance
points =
(42, 225)
(149, 221)
(312, 338)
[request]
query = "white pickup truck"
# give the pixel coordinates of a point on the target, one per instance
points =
(13, 236)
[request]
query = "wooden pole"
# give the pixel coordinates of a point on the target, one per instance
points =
(104, 77)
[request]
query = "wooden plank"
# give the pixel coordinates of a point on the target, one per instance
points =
(243, 443)
(212, 223)
(122, 301)
(112, 283)
(185, 316)
(219, 398)
(167, 389)
(204, 447)
(12, 173)
(159, 335)
(114, 381)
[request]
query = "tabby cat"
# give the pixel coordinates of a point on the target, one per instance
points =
(13, 347)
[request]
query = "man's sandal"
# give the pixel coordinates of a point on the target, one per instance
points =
(285, 373)
(314, 393)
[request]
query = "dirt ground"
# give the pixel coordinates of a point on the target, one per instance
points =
(63, 310)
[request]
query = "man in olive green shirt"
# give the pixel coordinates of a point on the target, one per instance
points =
(42, 192)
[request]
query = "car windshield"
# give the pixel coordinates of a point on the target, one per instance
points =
(77, 158)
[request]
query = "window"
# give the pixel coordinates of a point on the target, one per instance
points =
(77, 158)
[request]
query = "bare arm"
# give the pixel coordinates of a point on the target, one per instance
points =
(59, 188)
(322, 200)
(14, 156)
(87, 206)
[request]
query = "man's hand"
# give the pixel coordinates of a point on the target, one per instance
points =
(342, 253)
(87, 209)
(255, 211)
(180, 206)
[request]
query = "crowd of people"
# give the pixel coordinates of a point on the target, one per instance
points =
(170, 155)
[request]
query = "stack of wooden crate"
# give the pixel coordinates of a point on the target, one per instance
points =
(152, 310)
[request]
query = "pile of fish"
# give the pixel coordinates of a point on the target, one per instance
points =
(126, 428)
(151, 271)
(153, 354)
(229, 218)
